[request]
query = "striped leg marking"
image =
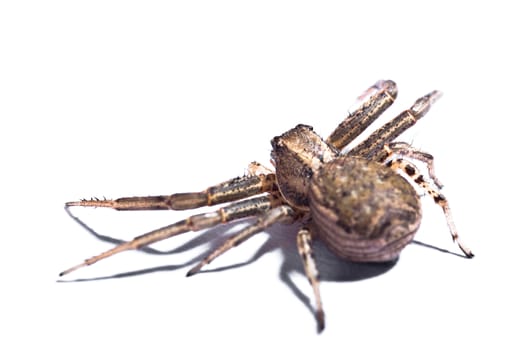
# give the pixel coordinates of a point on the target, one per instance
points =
(404, 149)
(438, 197)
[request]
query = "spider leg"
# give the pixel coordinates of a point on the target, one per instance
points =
(268, 218)
(256, 168)
(228, 191)
(404, 149)
(372, 147)
(304, 245)
(237, 210)
(438, 197)
(372, 103)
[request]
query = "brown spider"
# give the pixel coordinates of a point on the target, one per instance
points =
(355, 201)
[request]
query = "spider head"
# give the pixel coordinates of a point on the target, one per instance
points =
(297, 154)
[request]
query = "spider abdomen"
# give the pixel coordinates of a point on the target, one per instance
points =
(363, 210)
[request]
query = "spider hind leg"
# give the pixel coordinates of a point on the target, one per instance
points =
(405, 149)
(412, 171)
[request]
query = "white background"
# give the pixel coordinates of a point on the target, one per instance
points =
(114, 98)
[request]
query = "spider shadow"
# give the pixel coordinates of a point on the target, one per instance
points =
(280, 237)
(212, 237)
(331, 268)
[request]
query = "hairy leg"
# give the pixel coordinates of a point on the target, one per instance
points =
(237, 210)
(412, 171)
(404, 149)
(372, 103)
(228, 191)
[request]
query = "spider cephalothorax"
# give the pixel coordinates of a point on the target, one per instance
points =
(356, 201)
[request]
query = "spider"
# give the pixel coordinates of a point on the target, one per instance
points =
(360, 202)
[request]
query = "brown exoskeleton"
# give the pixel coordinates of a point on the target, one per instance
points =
(355, 201)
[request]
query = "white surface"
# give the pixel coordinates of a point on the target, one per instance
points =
(113, 98)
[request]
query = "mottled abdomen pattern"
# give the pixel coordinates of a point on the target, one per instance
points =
(363, 210)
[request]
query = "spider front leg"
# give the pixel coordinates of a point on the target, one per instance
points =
(412, 171)
(304, 245)
(237, 210)
(280, 213)
(228, 191)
